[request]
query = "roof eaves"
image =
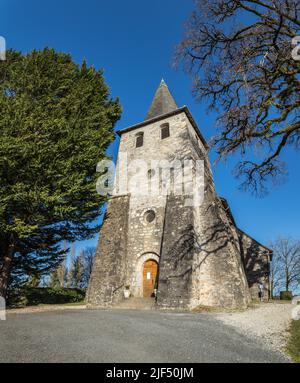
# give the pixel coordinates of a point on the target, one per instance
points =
(265, 247)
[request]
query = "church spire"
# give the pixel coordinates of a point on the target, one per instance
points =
(163, 102)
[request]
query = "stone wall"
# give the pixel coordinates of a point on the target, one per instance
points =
(256, 259)
(176, 264)
(200, 259)
(144, 239)
(219, 276)
(109, 274)
(209, 256)
(197, 247)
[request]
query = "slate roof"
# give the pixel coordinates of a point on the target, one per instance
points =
(162, 103)
(163, 106)
(230, 215)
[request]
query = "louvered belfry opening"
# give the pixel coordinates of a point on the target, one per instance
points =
(165, 131)
(139, 140)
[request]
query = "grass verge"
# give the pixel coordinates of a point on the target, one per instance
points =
(293, 346)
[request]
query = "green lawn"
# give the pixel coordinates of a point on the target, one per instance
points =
(293, 347)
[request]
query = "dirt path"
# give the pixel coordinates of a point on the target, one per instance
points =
(40, 308)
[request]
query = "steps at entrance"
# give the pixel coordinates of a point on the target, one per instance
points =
(137, 304)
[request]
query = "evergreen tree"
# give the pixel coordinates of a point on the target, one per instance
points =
(77, 273)
(61, 273)
(56, 122)
(58, 277)
(33, 281)
(54, 282)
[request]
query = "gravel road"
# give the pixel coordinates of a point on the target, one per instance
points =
(268, 322)
(130, 336)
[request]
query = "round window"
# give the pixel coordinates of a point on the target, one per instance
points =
(149, 216)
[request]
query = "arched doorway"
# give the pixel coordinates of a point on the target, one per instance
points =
(150, 272)
(138, 281)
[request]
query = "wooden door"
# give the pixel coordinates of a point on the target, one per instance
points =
(149, 277)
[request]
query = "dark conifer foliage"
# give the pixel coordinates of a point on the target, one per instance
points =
(56, 122)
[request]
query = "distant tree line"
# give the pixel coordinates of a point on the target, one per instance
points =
(77, 273)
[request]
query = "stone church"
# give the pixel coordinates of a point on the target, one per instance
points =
(158, 245)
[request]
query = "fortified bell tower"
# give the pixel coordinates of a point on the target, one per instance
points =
(155, 238)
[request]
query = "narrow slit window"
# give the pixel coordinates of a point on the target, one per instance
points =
(151, 173)
(139, 140)
(165, 131)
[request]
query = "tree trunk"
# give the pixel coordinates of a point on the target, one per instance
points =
(5, 270)
(271, 289)
(287, 284)
(287, 274)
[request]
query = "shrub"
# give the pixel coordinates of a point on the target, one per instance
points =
(45, 295)
(286, 295)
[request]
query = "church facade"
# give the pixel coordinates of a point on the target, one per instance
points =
(160, 244)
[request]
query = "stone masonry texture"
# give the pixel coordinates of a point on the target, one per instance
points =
(203, 258)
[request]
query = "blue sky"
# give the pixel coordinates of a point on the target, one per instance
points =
(133, 41)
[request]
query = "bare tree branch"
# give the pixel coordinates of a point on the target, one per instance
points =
(285, 268)
(249, 76)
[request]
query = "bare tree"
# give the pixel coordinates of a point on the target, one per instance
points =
(286, 263)
(76, 272)
(62, 269)
(239, 53)
(88, 256)
(275, 274)
(73, 267)
(80, 267)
